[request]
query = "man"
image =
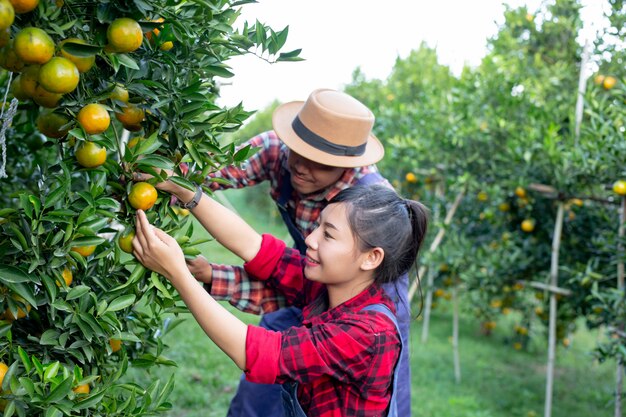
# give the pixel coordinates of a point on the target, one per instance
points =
(317, 148)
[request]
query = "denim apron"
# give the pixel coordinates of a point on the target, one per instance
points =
(290, 390)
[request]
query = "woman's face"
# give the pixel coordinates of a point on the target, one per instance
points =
(309, 177)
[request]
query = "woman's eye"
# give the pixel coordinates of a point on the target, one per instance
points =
(327, 235)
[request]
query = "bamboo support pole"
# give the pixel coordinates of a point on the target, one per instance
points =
(437, 241)
(455, 335)
(619, 377)
(428, 303)
(547, 287)
(554, 278)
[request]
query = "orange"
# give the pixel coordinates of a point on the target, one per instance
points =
(619, 187)
(7, 14)
(16, 89)
(94, 118)
(24, 6)
(528, 225)
(598, 79)
(142, 196)
(410, 178)
(166, 46)
(82, 389)
(124, 35)
(520, 192)
(59, 75)
(33, 46)
(45, 98)
(154, 31)
(85, 251)
(67, 277)
(126, 241)
(5, 37)
(29, 79)
(3, 371)
(9, 59)
(51, 124)
(131, 115)
(115, 344)
(504, 207)
(90, 154)
(119, 93)
(10, 315)
(482, 196)
(83, 63)
(609, 82)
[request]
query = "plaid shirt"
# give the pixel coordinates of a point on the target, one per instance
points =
(342, 358)
(270, 164)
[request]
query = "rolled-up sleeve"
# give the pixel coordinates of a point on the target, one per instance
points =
(263, 349)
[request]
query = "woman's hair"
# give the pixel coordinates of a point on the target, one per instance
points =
(379, 217)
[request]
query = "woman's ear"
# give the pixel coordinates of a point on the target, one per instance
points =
(373, 258)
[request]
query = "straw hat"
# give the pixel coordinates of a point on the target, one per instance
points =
(330, 128)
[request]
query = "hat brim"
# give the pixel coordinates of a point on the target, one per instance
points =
(283, 117)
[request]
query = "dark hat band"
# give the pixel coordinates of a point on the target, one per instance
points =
(322, 144)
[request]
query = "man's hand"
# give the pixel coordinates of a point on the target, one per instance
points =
(201, 269)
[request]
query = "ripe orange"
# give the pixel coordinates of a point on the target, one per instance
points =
(619, 187)
(24, 6)
(5, 37)
(528, 225)
(142, 196)
(115, 344)
(3, 371)
(7, 14)
(154, 31)
(520, 192)
(504, 207)
(609, 82)
(126, 241)
(482, 196)
(16, 89)
(10, 315)
(45, 98)
(85, 251)
(29, 79)
(9, 59)
(131, 115)
(598, 79)
(59, 75)
(67, 277)
(94, 118)
(82, 389)
(33, 46)
(119, 93)
(124, 35)
(166, 46)
(411, 178)
(83, 63)
(51, 124)
(90, 154)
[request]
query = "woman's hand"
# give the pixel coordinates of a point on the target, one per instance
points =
(200, 268)
(158, 251)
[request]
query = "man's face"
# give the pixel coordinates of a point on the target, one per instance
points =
(309, 177)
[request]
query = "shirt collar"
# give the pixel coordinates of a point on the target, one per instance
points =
(371, 295)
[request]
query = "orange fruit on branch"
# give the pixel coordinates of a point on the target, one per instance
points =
(9, 59)
(29, 80)
(119, 93)
(84, 251)
(59, 75)
(51, 124)
(67, 277)
(528, 225)
(619, 187)
(115, 344)
(90, 154)
(130, 115)
(45, 98)
(33, 46)
(7, 14)
(24, 6)
(142, 196)
(609, 82)
(126, 241)
(82, 389)
(124, 35)
(94, 118)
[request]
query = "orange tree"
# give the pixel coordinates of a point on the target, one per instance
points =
(76, 309)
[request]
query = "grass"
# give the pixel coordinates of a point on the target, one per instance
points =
(497, 381)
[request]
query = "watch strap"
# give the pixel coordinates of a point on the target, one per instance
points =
(194, 201)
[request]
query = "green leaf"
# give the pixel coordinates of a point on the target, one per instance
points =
(53, 412)
(154, 278)
(80, 49)
(51, 371)
(14, 275)
(155, 161)
(61, 390)
(90, 401)
(77, 292)
(28, 365)
(127, 61)
(121, 303)
(49, 337)
(87, 241)
(290, 56)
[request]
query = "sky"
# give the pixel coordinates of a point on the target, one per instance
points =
(337, 36)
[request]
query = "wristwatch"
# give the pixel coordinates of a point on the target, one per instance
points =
(194, 201)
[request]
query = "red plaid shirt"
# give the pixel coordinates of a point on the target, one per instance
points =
(231, 283)
(342, 358)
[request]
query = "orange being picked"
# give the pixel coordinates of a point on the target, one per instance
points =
(59, 75)
(142, 196)
(45, 98)
(130, 116)
(90, 154)
(126, 241)
(67, 277)
(124, 35)
(84, 251)
(83, 63)
(24, 6)
(82, 389)
(51, 124)
(94, 118)
(33, 46)
(7, 14)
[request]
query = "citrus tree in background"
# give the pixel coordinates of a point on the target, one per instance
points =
(76, 309)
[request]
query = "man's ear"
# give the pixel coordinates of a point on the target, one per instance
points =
(373, 258)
